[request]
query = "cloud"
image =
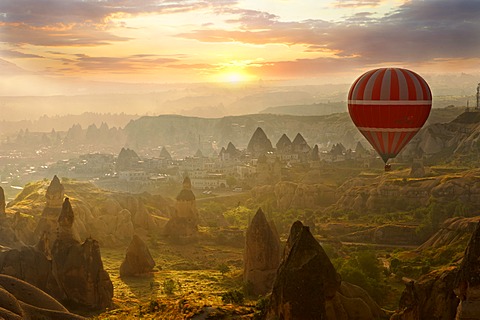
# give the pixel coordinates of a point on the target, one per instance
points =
(56, 35)
(50, 12)
(416, 31)
(356, 3)
(119, 65)
(6, 53)
(81, 22)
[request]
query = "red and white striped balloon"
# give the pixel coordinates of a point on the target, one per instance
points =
(389, 106)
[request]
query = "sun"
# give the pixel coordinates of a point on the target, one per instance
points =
(235, 77)
(233, 74)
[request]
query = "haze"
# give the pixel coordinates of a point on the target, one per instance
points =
(202, 57)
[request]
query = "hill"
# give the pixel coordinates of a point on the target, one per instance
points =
(110, 217)
(187, 134)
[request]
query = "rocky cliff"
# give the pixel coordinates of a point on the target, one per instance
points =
(391, 193)
(448, 293)
(292, 195)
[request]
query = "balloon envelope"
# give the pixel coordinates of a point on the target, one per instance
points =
(389, 106)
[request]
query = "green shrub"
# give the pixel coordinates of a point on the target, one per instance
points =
(223, 268)
(169, 286)
(233, 296)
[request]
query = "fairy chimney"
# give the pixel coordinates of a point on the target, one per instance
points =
(262, 255)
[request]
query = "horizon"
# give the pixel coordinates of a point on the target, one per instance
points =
(54, 47)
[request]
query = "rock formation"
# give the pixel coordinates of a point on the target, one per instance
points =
(299, 144)
(314, 154)
(78, 268)
(183, 224)
(138, 259)
(7, 235)
(232, 151)
(284, 144)
(31, 265)
(48, 221)
(111, 218)
(262, 255)
(126, 160)
(2, 203)
(449, 293)
(307, 285)
(21, 300)
(431, 297)
(165, 154)
(259, 143)
(467, 282)
(305, 279)
(453, 232)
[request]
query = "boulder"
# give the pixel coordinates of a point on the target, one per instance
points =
(262, 255)
(138, 259)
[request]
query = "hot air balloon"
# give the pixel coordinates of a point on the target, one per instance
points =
(389, 106)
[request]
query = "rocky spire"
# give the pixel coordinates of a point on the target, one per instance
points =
(183, 224)
(165, 154)
(126, 159)
(284, 144)
(65, 222)
(55, 193)
(198, 154)
(48, 224)
(262, 255)
(2, 203)
(186, 193)
(232, 150)
(259, 143)
(314, 155)
(360, 149)
(300, 145)
(305, 279)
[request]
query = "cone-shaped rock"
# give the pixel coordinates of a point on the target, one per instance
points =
(468, 280)
(259, 143)
(300, 145)
(54, 193)
(138, 259)
(305, 279)
(314, 154)
(126, 160)
(183, 225)
(2, 203)
(78, 268)
(48, 223)
(262, 255)
(65, 222)
(284, 144)
(165, 154)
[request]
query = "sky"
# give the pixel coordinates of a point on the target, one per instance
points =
(187, 41)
